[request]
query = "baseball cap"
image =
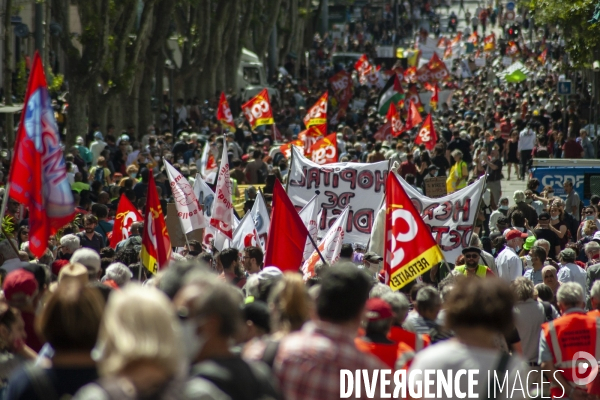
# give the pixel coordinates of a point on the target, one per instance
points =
(513, 234)
(19, 282)
(371, 256)
(568, 254)
(529, 242)
(471, 249)
(98, 135)
(544, 217)
(378, 309)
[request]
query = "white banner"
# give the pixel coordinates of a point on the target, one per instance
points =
(450, 217)
(189, 210)
(262, 219)
(245, 234)
(360, 186)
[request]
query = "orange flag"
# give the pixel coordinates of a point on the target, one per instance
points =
(414, 117)
(427, 134)
(308, 138)
(224, 113)
(258, 110)
(325, 151)
(410, 250)
(317, 115)
(393, 118)
(127, 214)
(489, 42)
(156, 244)
(542, 57)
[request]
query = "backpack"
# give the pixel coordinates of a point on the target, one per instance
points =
(99, 175)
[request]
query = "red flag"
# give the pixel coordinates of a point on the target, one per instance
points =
(474, 38)
(414, 117)
(224, 113)
(410, 75)
(456, 39)
(437, 69)
(427, 134)
(286, 149)
(393, 118)
(489, 43)
(542, 57)
(156, 244)
(38, 177)
(512, 48)
(384, 132)
(258, 110)
(448, 53)
(341, 83)
(413, 96)
(443, 42)
(127, 214)
(317, 115)
(287, 233)
(410, 250)
(308, 138)
(435, 97)
(325, 151)
(363, 67)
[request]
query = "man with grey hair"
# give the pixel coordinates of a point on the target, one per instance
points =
(569, 271)
(544, 244)
(90, 259)
(529, 316)
(427, 305)
(562, 339)
(520, 205)
(68, 245)
(118, 273)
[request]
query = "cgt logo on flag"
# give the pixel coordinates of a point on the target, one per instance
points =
(258, 110)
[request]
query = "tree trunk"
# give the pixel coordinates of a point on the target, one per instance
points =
(7, 74)
(146, 117)
(76, 119)
(159, 89)
(98, 109)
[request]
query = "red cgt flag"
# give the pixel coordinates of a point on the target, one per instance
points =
(258, 110)
(286, 149)
(127, 214)
(435, 97)
(414, 117)
(287, 233)
(38, 177)
(156, 244)
(317, 115)
(410, 250)
(393, 118)
(325, 151)
(224, 113)
(309, 137)
(427, 135)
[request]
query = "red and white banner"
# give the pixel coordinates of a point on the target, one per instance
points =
(127, 214)
(189, 209)
(258, 110)
(330, 246)
(222, 212)
(325, 150)
(208, 165)
(262, 219)
(245, 234)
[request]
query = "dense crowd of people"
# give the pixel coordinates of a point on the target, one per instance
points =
(90, 321)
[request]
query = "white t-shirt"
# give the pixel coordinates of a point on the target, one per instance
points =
(453, 355)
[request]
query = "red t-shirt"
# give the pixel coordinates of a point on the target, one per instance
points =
(572, 149)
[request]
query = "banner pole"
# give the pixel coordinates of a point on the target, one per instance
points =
(287, 184)
(317, 248)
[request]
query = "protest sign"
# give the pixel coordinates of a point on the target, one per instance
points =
(361, 186)
(450, 217)
(435, 187)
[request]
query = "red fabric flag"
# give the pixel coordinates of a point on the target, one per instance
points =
(542, 57)
(448, 53)
(287, 233)
(286, 149)
(437, 69)
(325, 151)
(156, 244)
(410, 250)
(317, 115)
(456, 39)
(414, 117)
(224, 113)
(413, 96)
(258, 110)
(474, 38)
(341, 83)
(435, 97)
(384, 132)
(512, 48)
(127, 214)
(38, 177)
(393, 118)
(309, 137)
(427, 134)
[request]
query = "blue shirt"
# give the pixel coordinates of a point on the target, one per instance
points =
(534, 276)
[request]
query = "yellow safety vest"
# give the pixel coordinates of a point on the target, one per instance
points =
(481, 270)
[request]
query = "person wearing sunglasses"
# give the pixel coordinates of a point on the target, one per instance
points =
(472, 267)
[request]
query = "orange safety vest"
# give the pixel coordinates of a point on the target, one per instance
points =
(568, 335)
(415, 341)
(389, 354)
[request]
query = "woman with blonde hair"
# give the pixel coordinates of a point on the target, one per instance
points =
(459, 173)
(138, 350)
(290, 307)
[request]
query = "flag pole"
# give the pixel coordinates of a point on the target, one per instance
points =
(317, 248)
(4, 201)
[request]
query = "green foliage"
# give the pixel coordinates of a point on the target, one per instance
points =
(8, 227)
(575, 19)
(55, 82)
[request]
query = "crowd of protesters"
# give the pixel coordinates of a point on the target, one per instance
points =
(89, 321)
